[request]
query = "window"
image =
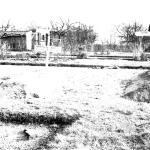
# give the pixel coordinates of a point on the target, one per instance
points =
(46, 39)
(14, 45)
(38, 38)
(43, 37)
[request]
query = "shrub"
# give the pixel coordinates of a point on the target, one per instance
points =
(143, 57)
(38, 54)
(137, 58)
(82, 56)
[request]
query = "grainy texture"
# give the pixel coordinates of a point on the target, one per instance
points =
(87, 102)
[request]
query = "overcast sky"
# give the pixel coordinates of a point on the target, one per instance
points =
(102, 14)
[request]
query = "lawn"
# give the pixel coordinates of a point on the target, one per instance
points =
(71, 108)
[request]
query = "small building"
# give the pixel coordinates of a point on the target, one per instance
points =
(15, 40)
(144, 40)
(26, 40)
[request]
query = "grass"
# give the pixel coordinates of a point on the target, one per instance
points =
(51, 124)
(12, 89)
(76, 108)
(26, 118)
(18, 110)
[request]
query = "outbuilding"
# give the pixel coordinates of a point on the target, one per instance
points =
(26, 40)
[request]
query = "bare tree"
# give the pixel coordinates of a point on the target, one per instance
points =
(73, 35)
(3, 45)
(126, 32)
(4, 28)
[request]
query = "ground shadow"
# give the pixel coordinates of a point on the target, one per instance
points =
(138, 141)
(27, 118)
(55, 124)
(138, 88)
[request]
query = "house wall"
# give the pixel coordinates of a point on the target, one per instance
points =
(42, 39)
(32, 40)
(29, 40)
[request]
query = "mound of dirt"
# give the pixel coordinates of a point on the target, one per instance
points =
(11, 89)
(138, 89)
(140, 141)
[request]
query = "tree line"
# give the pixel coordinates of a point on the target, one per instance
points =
(74, 36)
(77, 36)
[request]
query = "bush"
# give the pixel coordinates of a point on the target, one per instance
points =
(82, 56)
(23, 56)
(81, 52)
(147, 49)
(38, 54)
(143, 57)
(136, 58)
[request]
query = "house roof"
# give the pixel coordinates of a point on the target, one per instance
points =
(12, 33)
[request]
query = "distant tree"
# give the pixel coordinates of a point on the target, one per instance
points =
(3, 45)
(126, 32)
(73, 35)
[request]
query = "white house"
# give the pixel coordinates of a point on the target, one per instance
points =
(35, 39)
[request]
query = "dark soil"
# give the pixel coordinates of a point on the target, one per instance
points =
(138, 88)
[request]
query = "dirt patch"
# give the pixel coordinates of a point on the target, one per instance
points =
(11, 89)
(138, 88)
(140, 141)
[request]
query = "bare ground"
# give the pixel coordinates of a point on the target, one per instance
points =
(71, 108)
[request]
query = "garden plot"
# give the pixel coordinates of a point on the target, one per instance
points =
(71, 108)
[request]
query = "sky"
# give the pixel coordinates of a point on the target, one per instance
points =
(103, 15)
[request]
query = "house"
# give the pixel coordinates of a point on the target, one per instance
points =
(144, 40)
(39, 39)
(15, 40)
(35, 39)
